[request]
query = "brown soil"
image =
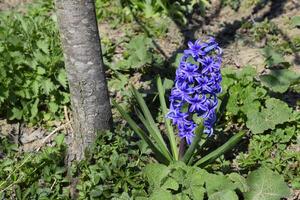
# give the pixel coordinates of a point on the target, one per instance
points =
(225, 25)
(10, 4)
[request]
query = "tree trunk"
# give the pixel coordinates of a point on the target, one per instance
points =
(84, 65)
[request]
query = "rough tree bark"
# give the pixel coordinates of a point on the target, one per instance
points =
(84, 65)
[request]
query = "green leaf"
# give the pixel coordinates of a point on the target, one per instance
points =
(170, 183)
(266, 185)
(161, 194)
(168, 84)
(295, 21)
(59, 139)
(159, 156)
(215, 183)
(40, 70)
(167, 121)
(34, 108)
(149, 119)
(53, 107)
(273, 57)
(155, 174)
(16, 114)
(276, 112)
(62, 78)
(279, 80)
(43, 45)
(47, 86)
(247, 72)
(224, 195)
(194, 182)
(239, 181)
(221, 150)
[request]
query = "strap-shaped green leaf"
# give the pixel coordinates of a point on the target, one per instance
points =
(150, 130)
(171, 135)
(159, 156)
(155, 133)
(221, 150)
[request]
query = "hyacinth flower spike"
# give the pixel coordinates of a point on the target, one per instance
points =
(197, 84)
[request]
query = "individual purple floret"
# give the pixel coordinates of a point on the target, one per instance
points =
(197, 84)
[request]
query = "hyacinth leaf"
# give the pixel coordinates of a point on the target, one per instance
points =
(150, 130)
(148, 117)
(222, 107)
(221, 150)
(195, 144)
(171, 135)
(159, 156)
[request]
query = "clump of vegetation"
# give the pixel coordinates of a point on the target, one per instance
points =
(32, 76)
(119, 165)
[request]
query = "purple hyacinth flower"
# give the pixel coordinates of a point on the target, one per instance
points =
(196, 86)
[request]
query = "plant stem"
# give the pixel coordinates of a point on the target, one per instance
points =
(182, 147)
(188, 155)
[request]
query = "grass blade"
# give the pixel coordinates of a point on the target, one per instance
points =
(221, 150)
(159, 156)
(171, 135)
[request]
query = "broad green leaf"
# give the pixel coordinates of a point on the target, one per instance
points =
(273, 58)
(170, 183)
(276, 112)
(181, 196)
(195, 192)
(266, 185)
(233, 100)
(239, 181)
(47, 86)
(40, 70)
(194, 182)
(215, 183)
(279, 80)
(16, 114)
(43, 45)
(247, 72)
(179, 170)
(195, 177)
(53, 107)
(224, 195)
(295, 21)
(62, 78)
(155, 174)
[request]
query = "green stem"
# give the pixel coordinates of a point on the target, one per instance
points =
(195, 144)
(221, 150)
(182, 147)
